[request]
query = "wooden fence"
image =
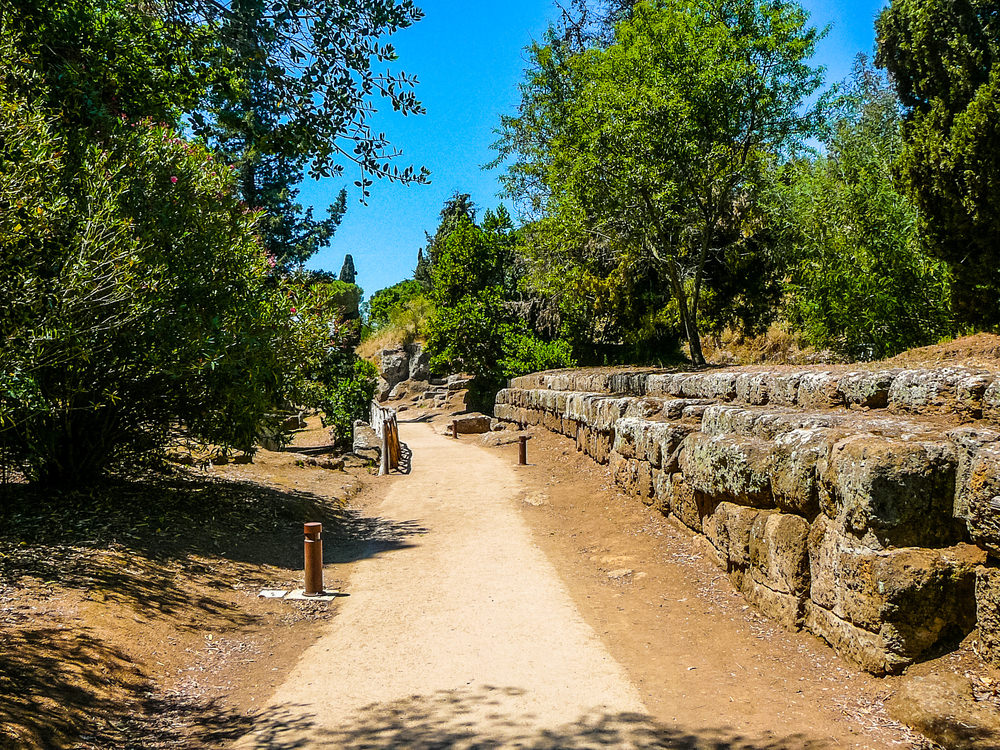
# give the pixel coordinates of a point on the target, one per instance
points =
(387, 428)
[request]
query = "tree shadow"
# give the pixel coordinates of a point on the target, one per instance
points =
(62, 690)
(475, 719)
(154, 545)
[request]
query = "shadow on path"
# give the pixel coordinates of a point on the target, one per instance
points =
(474, 719)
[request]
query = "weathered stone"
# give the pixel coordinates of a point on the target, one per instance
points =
(688, 505)
(991, 402)
(472, 424)
(982, 495)
(795, 460)
(955, 390)
(867, 389)
(820, 390)
(294, 422)
(786, 609)
(725, 468)
(420, 363)
(913, 597)
(754, 387)
(784, 389)
(394, 366)
(967, 441)
(735, 523)
(367, 443)
(988, 613)
(893, 492)
(943, 707)
(719, 386)
(779, 553)
(866, 649)
(382, 389)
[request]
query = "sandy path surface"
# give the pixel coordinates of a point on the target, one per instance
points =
(466, 638)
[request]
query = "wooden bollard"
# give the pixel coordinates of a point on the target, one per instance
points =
(314, 559)
(522, 450)
(454, 429)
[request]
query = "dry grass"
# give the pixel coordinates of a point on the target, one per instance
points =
(778, 346)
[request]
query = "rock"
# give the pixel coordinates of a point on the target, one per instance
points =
(394, 366)
(472, 424)
(911, 598)
(956, 390)
(382, 389)
(943, 707)
(367, 444)
(795, 460)
(892, 492)
(331, 464)
(787, 610)
(779, 553)
(294, 422)
(988, 613)
(866, 649)
(352, 461)
(458, 382)
(820, 390)
(867, 389)
(420, 363)
(754, 387)
(727, 468)
(672, 494)
(982, 495)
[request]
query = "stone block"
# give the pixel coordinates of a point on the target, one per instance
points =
(784, 389)
(988, 613)
(735, 530)
(367, 443)
(954, 390)
(726, 468)
(473, 424)
(981, 494)
(688, 505)
(754, 387)
(913, 598)
(892, 492)
(779, 553)
(785, 609)
(820, 390)
(967, 441)
(945, 709)
(991, 402)
(866, 649)
(867, 389)
(717, 386)
(796, 458)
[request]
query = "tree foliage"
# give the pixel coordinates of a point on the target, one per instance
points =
(944, 57)
(655, 142)
(861, 282)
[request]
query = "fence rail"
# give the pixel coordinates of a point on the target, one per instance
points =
(386, 426)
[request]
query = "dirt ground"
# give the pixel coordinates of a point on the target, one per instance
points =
(155, 637)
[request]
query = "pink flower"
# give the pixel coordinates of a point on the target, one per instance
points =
(294, 311)
(173, 180)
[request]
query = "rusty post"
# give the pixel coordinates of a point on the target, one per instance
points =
(314, 559)
(522, 451)
(454, 429)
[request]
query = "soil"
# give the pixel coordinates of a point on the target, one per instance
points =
(134, 621)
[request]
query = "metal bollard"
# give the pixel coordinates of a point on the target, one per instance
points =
(522, 451)
(314, 559)
(454, 429)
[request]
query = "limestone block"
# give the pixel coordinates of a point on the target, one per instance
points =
(991, 402)
(688, 505)
(599, 445)
(944, 708)
(665, 384)
(967, 441)
(982, 495)
(912, 597)
(866, 649)
(693, 412)
(956, 390)
(820, 390)
(644, 407)
(988, 613)
(735, 523)
(779, 553)
(785, 609)
(713, 526)
(662, 491)
(795, 460)
(867, 389)
(784, 389)
(628, 383)
(727, 468)
(366, 443)
(420, 363)
(754, 387)
(893, 492)
(719, 386)
(473, 424)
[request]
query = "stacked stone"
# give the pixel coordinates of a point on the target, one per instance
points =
(828, 502)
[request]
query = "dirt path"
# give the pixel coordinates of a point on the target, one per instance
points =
(468, 637)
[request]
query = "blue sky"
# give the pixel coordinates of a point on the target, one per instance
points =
(469, 58)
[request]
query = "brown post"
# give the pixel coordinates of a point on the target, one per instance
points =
(522, 451)
(454, 429)
(314, 559)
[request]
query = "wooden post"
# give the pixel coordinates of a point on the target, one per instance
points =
(454, 429)
(313, 559)
(383, 467)
(522, 451)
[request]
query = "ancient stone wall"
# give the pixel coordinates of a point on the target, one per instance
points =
(862, 506)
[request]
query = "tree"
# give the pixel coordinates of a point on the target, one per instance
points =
(294, 95)
(861, 282)
(944, 57)
(656, 143)
(348, 274)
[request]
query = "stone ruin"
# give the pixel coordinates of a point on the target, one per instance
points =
(405, 373)
(863, 506)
